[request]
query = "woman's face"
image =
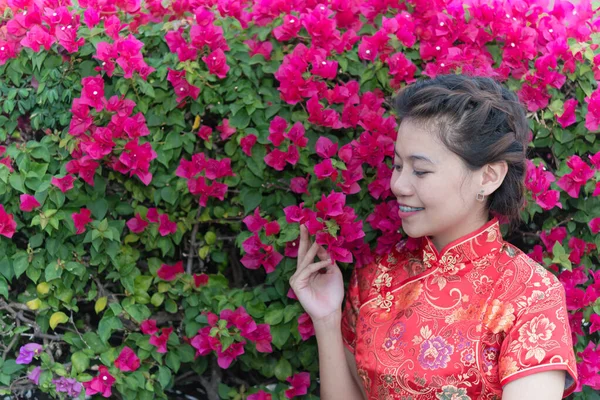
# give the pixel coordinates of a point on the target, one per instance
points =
(435, 190)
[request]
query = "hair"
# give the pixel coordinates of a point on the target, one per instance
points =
(479, 120)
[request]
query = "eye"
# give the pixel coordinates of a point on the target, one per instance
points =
(420, 173)
(397, 167)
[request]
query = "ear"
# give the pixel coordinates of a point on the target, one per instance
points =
(492, 176)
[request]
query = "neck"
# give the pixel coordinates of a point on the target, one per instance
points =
(441, 241)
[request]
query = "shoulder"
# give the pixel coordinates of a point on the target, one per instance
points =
(529, 285)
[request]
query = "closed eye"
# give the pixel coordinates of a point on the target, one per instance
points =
(420, 173)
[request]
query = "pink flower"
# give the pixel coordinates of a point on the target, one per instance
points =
(28, 202)
(325, 169)
(262, 48)
(100, 384)
(325, 148)
(260, 395)
(277, 127)
(556, 234)
(8, 225)
(137, 224)
(305, 326)
(127, 360)
(568, 116)
(247, 142)
(299, 185)
(38, 37)
(262, 338)
(594, 225)
(152, 215)
(289, 30)
(80, 219)
(91, 17)
(200, 280)
(592, 118)
(166, 226)
(225, 129)
(160, 342)
(276, 159)
(580, 175)
(92, 93)
(170, 272)
(254, 222)
(299, 385)
(34, 375)
(272, 228)
(225, 358)
(64, 184)
(296, 135)
(182, 87)
(205, 132)
(595, 323)
(217, 63)
(148, 327)
(240, 319)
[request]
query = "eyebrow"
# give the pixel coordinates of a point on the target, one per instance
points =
(416, 157)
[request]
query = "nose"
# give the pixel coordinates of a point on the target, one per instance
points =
(401, 185)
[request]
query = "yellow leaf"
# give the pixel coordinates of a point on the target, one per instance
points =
(33, 304)
(58, 318)
(43, 288)
(196, 122)
(100, 304)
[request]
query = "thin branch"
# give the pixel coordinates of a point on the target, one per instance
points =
(192, 251)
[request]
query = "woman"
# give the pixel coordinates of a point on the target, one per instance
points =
(453, 312)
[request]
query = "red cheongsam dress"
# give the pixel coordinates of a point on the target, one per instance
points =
(457, 324)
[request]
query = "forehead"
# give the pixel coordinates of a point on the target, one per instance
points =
(419, 138)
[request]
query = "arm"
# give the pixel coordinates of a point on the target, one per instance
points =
(338, 379)
(548, 385)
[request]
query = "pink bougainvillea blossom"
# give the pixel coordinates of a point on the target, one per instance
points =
(127, 360)
(100, 384)
(160, 342)
(81, 219)
(170, 272)
(28, 202)
(64, 184)
(299, 384)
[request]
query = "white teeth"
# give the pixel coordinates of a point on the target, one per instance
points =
(409, 209)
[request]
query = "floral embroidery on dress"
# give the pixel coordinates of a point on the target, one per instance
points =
(450, 392)
(534, 336)
(499, 316)
(384, 302)
(435, 351)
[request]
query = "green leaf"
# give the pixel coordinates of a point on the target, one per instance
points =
(17, 182)
(274, 316)
(168, 194)
(283, 369)
(251, 199)
(107, 325)
(173, 361)
(98, 208)
(164, 376)
(20, 263)
(80, 361)
(138, 312)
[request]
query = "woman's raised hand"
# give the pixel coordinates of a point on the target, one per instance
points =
(319, 286)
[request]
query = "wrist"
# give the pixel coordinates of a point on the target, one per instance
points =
(331, 321)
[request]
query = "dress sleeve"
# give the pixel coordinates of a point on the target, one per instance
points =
(540, 338)
(350, 312)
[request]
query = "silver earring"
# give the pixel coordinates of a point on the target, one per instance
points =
(480, 196)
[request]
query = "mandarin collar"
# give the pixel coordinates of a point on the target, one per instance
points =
(474, 245)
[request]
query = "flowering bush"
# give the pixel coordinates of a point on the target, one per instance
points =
(158, 157)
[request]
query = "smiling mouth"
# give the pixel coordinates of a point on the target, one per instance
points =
(410, 209)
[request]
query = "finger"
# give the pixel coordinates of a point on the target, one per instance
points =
(310, 269)
(304, 243)
(310, 255)
(322, 253)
